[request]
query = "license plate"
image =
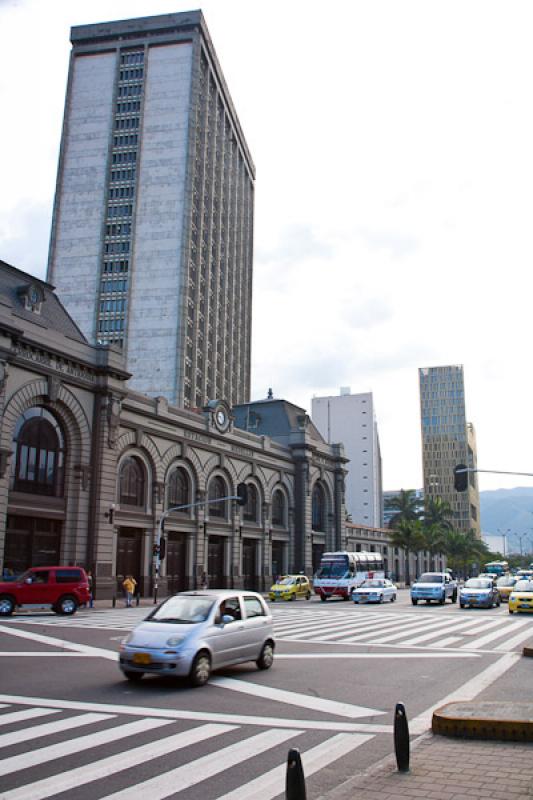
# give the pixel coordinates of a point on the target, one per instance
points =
(525, 605)
(142, 658)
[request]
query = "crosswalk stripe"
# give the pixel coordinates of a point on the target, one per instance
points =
(74, 778)
(361, 626)
(490, 637)
(515, 640)
(448, 641)
(379, 629)
(22, 716)
(271, 783)
(438, 629)
(68, 748)
(337, 627)
(49, 728)
(206, 767)
(367, 629)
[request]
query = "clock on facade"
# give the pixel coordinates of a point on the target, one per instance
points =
(221, 418)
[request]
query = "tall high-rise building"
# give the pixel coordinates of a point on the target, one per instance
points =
(447, 440)
(152, 231)
(350, 419)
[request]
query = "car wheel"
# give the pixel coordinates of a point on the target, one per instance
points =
(266, 659)
(393, 598)
(66, 606)
(454, 597)
(414, 602)
(442, 600)
(323, 598)
(461, 604)
(134, 677)
(292, 597)
(381, 598)
(200, 670)
(511, 612)
(308, 596)
(427, 602)
(498, 602)
(7, 605)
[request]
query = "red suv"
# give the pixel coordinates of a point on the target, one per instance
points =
(62, 588)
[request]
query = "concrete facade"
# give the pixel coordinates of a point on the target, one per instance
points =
(152, 231)
(118, 453)
(350, 419)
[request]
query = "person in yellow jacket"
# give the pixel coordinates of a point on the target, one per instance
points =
(129, 585)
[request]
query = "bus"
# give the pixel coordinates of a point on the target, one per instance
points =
(498, 568)
(342, 572)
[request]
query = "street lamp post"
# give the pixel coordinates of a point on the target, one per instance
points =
(504, 536)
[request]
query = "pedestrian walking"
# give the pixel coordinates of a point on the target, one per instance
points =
(204, 581)
(129, 585)
(90, 581)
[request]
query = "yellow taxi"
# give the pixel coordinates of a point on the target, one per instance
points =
(505, 585)
(521, 598)
(290, 587)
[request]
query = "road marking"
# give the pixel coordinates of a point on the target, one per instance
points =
(199, 716)
(514, 640)
(468, 691)
(451, 640)
(93, 771)
(297, 699)
(267, 786)
(47, 729)
(483, 640)
(437, 631)
(37, 654)
(22, 716)
(194, 772)
(380, 656)
(53, 642)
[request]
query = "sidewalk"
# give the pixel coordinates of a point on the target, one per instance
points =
(448, 769)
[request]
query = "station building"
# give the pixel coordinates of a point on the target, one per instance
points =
(87, 466)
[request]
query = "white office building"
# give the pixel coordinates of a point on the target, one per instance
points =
(350, 419)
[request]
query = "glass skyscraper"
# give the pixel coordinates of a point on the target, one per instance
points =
(448, 440)
(152, 232)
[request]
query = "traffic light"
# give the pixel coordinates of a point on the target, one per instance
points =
(242, 494)
(460, 478)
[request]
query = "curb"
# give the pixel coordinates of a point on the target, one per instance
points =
(528, 651)
(512, 722)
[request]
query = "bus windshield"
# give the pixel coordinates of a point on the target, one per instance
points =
(332, 569)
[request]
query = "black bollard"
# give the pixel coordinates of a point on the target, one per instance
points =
(295, 780)
(401, 738)
(114, 602)
(137, 599)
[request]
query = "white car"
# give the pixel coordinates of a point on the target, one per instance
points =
(375, 590)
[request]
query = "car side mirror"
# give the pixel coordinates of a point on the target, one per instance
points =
(28, 580)
(227, 618)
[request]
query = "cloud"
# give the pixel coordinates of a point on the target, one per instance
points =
(24, 237)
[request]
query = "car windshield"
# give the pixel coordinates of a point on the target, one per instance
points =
(333, 569)
(183, 609)
(373, 584)
(506, 581)
(478, 583)
(523, 586)
(287, 581)
(430, 577)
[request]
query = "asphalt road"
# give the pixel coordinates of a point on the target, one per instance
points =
(339, 671)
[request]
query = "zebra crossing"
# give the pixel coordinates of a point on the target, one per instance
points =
(346, 626)
(459, 632)
(96, 750)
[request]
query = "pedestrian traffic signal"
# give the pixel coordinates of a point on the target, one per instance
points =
(162, 548)
(242, 494)
(460, 477)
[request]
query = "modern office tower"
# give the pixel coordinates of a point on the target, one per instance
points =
(448, 440)
(350, 419)
(152, 232)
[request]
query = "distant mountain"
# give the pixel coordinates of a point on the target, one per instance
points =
(509, 509)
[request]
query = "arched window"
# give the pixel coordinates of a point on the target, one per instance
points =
(250, 509)
(319, 507)
(217, 490)
(132, 482)
(38, 466)
(178, 488)
(278, 508)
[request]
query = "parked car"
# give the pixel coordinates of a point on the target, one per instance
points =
(521, 598)
(375, 590)
(438, 586)
(61, 588)
(192, 633)
(481, 592)
(290, 587)
(505, 585)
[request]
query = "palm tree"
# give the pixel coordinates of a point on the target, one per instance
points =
(463, 549)
(406, 506)
(408, 535)
(436, 523)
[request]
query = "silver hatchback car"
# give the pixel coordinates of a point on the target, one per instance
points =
(192, 633)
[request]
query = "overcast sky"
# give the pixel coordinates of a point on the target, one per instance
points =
(393, 145)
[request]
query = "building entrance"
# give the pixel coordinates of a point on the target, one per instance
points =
(215, 562)
(128, 555)
(176, 562)
(249, 564)
(31, 542)
(277, 559)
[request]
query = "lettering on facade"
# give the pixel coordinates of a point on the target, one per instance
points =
(242, 451)
(196, 437)
(58, 364)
